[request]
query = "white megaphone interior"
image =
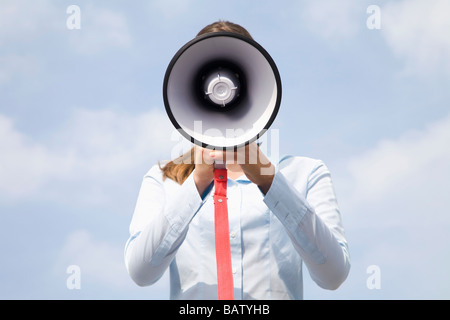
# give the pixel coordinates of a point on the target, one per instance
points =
(210, 126)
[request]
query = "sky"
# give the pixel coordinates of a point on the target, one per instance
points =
(365, 89)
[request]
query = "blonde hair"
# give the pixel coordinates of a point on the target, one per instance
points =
(180, 168)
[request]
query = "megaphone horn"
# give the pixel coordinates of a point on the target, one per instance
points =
(226, 81)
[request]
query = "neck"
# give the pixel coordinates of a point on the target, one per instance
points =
(234, 171)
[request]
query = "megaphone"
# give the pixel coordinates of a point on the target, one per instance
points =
(222, 90)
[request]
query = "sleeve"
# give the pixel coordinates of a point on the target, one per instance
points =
(313, 222)
(159, 226)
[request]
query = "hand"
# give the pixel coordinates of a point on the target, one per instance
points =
(257, 167)
(252, 161)
(204, 169)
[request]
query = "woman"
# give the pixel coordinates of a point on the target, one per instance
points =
(279, 216)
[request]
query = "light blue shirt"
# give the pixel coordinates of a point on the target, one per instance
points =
(297, 221)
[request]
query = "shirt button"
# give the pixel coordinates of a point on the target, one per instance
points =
(233, 270)
(232, 234)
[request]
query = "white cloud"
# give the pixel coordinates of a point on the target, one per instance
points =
(99, 261)
(105, 141)
(100, 29)
(396, 216)
(93, 149)
(406, 164)
(23, 163)
(22, 21)
(416, 31)
(419, 32)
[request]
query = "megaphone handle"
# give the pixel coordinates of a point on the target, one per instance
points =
(220, 166)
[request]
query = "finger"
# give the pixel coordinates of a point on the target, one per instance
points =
(203, 156)
(199, 156)
(207, 159)
(217, 156)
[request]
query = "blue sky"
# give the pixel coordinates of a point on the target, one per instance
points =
(82, 120)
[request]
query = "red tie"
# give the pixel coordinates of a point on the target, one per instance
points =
(222, 237)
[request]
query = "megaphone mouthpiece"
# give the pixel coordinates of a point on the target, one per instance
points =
(222, 87)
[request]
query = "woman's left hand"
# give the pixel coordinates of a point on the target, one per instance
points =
(253, 162)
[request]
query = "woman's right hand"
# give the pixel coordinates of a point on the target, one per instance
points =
(204, 169)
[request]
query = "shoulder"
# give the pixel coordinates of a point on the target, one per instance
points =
(155, 173)
(305, 164)
(155, 176)
(302, 170)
